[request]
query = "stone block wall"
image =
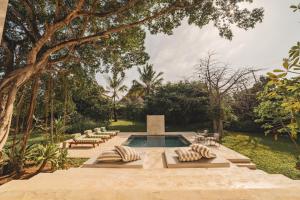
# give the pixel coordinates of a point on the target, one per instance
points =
(156, 124)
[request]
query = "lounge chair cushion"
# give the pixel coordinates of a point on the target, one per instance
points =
(103, 129)
(88, 131)
(109, 156)
(187, 155)
(204, 151)
(97, 130)
(87, 140)
(99, 136)
(76, 135)
(127, 153)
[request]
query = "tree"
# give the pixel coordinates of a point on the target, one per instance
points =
(219, 81)
(244, 102)
(115, 86)
(42, 34)
(182, 103)
(279, 108)
(149, 81)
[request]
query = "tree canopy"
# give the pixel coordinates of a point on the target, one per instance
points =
(42, 35)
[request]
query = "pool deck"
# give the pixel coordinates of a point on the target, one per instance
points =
(154, 153)
(154, 180)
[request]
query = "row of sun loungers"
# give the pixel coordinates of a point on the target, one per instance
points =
(94, 138)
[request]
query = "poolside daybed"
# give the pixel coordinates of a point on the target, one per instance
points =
(172, 161)
(94, 163)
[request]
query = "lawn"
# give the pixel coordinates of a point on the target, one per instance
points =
(130, 126)
(35, 138)
(276, 157)
(127, 126)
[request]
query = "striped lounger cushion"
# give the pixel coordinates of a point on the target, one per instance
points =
(86, 140)
(88, 131)
(109, 156)
(187, 155)
(203, 150)
(88, 135)
(128, 154)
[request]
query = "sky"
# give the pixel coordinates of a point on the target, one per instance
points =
(263, 47)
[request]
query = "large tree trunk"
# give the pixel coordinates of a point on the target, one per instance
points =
(47, 97)
(51, 109)
(215, 125)
(114, 110)
(220, 128)
(35, 87)
(7, 99)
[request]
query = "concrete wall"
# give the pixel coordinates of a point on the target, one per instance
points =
(3, 7)
(156, 124)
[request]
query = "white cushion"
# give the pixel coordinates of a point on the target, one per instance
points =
(127, 153)
(109, 156)
(187, 155)
(88, 131)
(203, 150)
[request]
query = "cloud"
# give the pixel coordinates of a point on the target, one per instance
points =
(262, 47)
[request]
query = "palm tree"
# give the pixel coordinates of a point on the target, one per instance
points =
(115, 86)
(149, 80)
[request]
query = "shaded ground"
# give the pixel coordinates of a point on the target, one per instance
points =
(30, 171)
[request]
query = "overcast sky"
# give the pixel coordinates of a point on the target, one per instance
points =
(263, 47)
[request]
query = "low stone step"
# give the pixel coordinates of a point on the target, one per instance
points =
(14, 183)
(247, 165)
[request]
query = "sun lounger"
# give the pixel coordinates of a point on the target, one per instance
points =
(93, 163)
(98, 131)
(95, 136)
(86, 141)
(104, 130)
(173, 162)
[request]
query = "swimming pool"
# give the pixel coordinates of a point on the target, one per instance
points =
(157, 141)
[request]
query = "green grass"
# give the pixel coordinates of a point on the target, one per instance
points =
(276, 157)
(35, 139)
(128, 126)
(77, 162)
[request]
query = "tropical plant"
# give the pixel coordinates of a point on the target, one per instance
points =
(59, 128)
(41, 155)
(116, 86)
(16, 158)
(149, 81)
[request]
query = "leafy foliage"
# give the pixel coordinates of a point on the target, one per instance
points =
(243, 104)
(149, 81)
(116, 86)
(49, 153)
(282, 95)
(181, 103)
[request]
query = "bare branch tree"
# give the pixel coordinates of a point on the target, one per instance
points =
(220, 81)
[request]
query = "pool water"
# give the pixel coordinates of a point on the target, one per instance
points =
(157, 141)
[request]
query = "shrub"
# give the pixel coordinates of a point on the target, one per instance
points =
(182, 103)
(81, 124)
(244, 126)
